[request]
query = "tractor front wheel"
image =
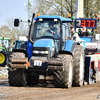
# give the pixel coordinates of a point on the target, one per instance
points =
(64, 78)
(17, 77)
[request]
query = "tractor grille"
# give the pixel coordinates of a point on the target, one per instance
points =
(41, 52)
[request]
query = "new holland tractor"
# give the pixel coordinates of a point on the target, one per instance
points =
(54, 54)
(5, 49)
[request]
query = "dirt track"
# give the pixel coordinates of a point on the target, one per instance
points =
(88, 92)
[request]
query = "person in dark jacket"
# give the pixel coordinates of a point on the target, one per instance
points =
(84, 33)
(72, 31)
(52, 30)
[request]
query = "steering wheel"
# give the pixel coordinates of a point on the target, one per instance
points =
(48, 33)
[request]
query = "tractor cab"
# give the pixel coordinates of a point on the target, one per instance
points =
(5, 43)
(50, 31)
(18, 43)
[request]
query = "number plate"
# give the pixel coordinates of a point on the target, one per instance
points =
(37, 63)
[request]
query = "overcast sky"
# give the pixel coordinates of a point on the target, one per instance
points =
(13, 9)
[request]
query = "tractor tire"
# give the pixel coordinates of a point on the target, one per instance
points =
(64, 78)
(3, 58)
(32, 78)
(16, 55)
(8, 56)
(78, 71)
(17, 77)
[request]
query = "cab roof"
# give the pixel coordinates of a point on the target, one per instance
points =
(55, 17)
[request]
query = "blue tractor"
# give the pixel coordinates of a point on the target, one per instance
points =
(53, 54)
(26, 45)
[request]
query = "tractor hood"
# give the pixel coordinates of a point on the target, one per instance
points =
(44, 43)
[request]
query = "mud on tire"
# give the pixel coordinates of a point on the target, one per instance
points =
(17, 77)
(64, 78)
(78, 71)
(16, 55)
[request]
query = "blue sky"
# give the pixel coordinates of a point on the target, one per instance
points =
(13, 9)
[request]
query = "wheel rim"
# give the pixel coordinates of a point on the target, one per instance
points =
(81, 67)
(70, 73)
(2, 58)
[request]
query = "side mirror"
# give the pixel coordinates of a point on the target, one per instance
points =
(16, 22)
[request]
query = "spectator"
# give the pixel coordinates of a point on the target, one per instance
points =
(72, 31)
(84, 32)
(79, 31)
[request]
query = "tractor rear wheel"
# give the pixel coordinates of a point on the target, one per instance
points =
(64, 78)
(17, 77)
(3, 58)
(78, 71)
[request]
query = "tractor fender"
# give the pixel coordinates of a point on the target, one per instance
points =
(2, 48)
(21, 50)
(69, 46)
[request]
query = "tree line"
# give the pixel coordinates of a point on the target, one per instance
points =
(51, 7)
(63, 7)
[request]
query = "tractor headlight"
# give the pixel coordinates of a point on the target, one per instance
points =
(36, 52)
(44, 52)
(40, 52)
(52, 51)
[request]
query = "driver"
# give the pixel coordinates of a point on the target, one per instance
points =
(52, 30)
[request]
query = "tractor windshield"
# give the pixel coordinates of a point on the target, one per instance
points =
(18, 44)
(47, 28)
(4, 42)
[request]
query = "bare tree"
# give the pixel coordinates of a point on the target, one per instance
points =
(4, 31)
(55, 7)
(91, 7)
(63, 7)
(9, 30)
